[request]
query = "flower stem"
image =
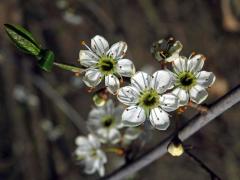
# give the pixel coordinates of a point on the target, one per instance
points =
(200, 108)
(118, 151)
(71, 68)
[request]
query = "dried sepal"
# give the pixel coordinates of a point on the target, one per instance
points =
(164, 49)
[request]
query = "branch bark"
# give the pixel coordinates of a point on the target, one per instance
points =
(194, 125)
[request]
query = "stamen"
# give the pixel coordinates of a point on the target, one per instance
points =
(121, 78)
(192, 54)
(84, 44)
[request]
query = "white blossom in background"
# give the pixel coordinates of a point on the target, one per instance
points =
(105, 122)
(189, 81)
(72, 18)
(105, 63)
(21, 94)
(130, 134)
(146, 99)
(90, 155)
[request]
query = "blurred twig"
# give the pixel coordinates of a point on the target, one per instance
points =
(71, 113)
(195, 124)
(152, 16)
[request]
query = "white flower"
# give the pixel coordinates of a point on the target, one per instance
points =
(145, 99)
(89, 153)
(190, 81)
(105, 122)
(166, 49)
(104, 62)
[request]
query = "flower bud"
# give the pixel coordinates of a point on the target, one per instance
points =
(99, 100)
(175, 148)
(100, 97)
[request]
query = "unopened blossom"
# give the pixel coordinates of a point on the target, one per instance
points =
(105, 63)
(105, 122)
(166, 49)
(189, 81)
(146, 99)
(90, 155)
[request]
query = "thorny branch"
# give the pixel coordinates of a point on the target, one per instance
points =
(194, 125)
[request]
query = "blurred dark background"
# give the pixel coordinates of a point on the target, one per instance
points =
(37, 109)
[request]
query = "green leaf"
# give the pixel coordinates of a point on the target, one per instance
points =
(46, 59)
(23, 39)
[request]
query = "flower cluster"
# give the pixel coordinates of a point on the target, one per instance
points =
(106, 135)
(180, 81)
(177, 83)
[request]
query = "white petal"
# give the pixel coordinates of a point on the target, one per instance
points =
(133, 116)
(182, 95)
(125, 67)
(159, 119)
(103, 135)
(141, 80)
(112, 83)
(128, 95)
(96, 114)
(198, 94)
(161, 81)
(90, 167)
(92, 77)
(169, 102)
(114, 136)
(118, 116)
(180, 64)
(99, 45)
(82, 142)
(82, 152)
(94, 141)
(109, 107)
(205, 79)
(102, 156)
(118, 50)
(131, 133)
(101, 171)
(196, 63)
(87, 58)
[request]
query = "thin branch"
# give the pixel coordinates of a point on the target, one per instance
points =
(212, 174)
(195, 124)
(52, 94)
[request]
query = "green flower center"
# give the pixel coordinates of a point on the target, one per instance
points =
(186, 80)
(149, 99)
(108, 121)
(106, 65)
